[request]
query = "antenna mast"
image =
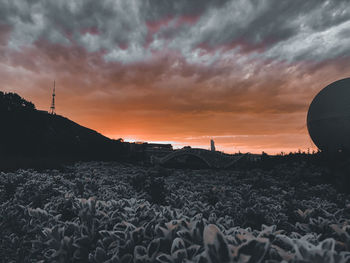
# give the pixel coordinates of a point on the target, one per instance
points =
(52, 108)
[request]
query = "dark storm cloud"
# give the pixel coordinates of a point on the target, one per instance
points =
(278, 26)
(108, 23)
(131, 31)
(158, 9)
(275, 20)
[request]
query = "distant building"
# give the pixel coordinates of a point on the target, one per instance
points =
(212, 145)
(158, 147)
(147, 147)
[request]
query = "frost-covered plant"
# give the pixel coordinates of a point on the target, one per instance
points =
(98, 215)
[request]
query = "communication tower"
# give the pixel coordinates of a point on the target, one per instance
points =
(52, 108)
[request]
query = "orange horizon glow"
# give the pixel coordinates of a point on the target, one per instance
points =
(271, 127)
(252, 143)
(275, 121)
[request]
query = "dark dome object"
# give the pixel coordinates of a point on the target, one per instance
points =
(328, 118)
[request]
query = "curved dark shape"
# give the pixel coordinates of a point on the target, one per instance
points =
(176, 154)
(328, 118)
(213, 159)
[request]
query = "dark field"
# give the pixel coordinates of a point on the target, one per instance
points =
(111, 212)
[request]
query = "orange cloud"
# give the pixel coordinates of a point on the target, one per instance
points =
(169, 99)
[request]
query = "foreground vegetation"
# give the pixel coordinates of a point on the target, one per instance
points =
(110, 212)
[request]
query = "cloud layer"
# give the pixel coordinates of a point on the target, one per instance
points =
(181, 71)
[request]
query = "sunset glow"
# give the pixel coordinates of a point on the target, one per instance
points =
(179, 72)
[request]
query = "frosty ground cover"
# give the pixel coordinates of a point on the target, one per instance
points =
(112, 212)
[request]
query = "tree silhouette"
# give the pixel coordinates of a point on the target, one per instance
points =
(12, 102)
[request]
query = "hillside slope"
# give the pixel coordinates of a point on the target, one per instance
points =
(25, 131)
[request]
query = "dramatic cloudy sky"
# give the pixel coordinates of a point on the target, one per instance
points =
(242, 72)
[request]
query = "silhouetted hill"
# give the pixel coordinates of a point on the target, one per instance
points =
(27, 132)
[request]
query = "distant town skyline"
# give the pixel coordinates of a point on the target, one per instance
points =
(183, 72)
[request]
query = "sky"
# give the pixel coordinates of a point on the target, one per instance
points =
(242, 72)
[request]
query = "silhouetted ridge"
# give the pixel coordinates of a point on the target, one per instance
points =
(27, 132)
(10, 102)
